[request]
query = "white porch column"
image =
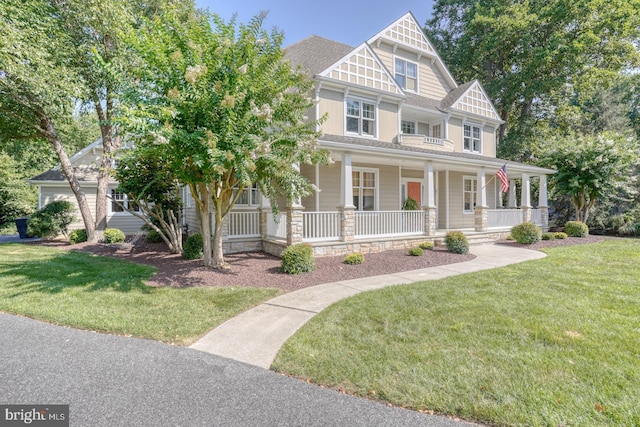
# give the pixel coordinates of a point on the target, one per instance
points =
(429, 200)
(482, 210)
(265, 211)
(346, 182)
(296, 202)
(525, 198)
(511, 195)
(543, 202)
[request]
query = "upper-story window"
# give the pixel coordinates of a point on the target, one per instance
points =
(436, 131)
(361, 117)
(472, 138)
(408, 127)
(407, 74)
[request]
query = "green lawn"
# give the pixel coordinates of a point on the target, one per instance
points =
(109, 295)
(550, 342)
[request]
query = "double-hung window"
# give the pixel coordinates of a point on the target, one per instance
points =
(472, 138)
(361, 117)
(469, 190)
(120, 202)
(249, 196)
(436, 131)
(408, 128)
(364, 189)
(407, 74)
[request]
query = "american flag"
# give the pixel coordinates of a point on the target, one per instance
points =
(502, 176)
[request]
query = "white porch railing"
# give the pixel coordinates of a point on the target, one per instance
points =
(277, 227)
(243, 224)
(503, 218)
(389, 223)
(320, 226)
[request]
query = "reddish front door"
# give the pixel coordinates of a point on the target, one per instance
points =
(414, 190)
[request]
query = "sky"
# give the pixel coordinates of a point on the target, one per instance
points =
(347, 21)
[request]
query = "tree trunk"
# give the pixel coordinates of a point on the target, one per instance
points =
(109, 147)
(205, 223)
(218, 257)
(67, 170)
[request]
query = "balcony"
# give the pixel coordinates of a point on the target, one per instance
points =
(423, 141)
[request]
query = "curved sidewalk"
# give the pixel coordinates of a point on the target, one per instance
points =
(255, 336)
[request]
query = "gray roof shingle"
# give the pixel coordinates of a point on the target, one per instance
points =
(315, 54)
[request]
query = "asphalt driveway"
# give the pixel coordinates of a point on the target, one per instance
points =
(120, 381)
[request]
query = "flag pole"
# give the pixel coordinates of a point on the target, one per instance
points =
(493, 177)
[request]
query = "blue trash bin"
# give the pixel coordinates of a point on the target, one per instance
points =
(21, 224)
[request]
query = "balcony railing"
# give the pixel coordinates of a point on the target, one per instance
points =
(417, 140)
(503, 218)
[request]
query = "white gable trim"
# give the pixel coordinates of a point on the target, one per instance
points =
(421, 44)
(348, 70)
(95, 144)
(488, 110)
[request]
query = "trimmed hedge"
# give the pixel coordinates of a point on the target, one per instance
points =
(354, 259)
(526, 233)
(576, 229)
(560, 235)
(426, 246)
(193, 247)
(78, 236)
(298, 259)
(113, 235)
(548, 236)
(416, 252)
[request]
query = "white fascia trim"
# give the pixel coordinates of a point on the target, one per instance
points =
(363, 90)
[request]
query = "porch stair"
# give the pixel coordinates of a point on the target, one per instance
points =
(476, 237)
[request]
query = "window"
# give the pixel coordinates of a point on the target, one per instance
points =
(408, 128)
(469, 195)
(361, 117)
(364, 189)
(435, 131)
(249, 196)
(120, 202)
(472, 141)
(407, 74)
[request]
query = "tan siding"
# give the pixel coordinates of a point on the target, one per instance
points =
(388, 121)
(489, 141)
(412, 173)
(332, 103)
(330, 187)
(423, 129)
(455, 133)
(309, 172)
(442, 200)
(128, 224)
(458, 219)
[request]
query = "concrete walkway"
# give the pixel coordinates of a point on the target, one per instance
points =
(255, 336)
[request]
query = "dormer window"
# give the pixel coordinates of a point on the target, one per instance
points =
(407, 74)
(472, 138)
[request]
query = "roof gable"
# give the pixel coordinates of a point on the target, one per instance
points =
(472, 100)
(406, 32)
(363, 67)
(315, 53)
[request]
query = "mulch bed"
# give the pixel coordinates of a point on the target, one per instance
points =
(259, 269)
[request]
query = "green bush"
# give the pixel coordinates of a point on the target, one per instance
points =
(410, 205)
(51, 220)
(509, 237)
(560, 235)
(456, 242)
(193, 247)
(153, 236)
(298, 259)
(416, 252)
(78, 236)
(526, 233)
(548, 236)
(113, 235)
(354, 259)
(426, 246)
(576, 229)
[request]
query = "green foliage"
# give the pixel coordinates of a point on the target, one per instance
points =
(410, 205)
(193, 247)
(17, 198)
(153, 237)
(427, 246)
(576, 229)
(456, 242)
(590, 168)
(51, 220)
(560, 235)
(548, 236)
(509, 237)
(298, 259)
(113, 235)
(624, 225)
(78, 236)
(416, 251)
(526, 233)
(354, 259)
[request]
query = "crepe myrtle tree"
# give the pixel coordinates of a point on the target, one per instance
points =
(229, 110)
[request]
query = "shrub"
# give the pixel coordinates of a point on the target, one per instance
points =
(548, 236)
(456, 242)
(576, 229)
(426, 246)
(153, 236)
(416, 252)
(78, 236)
(51, 220)
(410, 205)
(298, 259)
(509, 237)
(113, 235)
(193, 247)
(526, 233)
(560, 235)
(354, 259)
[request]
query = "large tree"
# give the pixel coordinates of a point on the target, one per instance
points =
(528, 54)
(229, 109)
